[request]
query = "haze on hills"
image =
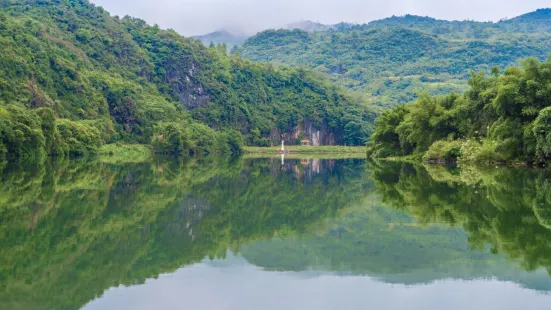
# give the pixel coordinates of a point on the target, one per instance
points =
(195, 17)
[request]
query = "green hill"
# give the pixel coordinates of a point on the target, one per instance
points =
(393, 59)
(73, 77)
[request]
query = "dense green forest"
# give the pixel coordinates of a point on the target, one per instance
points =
(72, 78)
(503, 117)
(391, 60)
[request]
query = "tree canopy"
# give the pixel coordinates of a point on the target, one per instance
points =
(107, 79)
(502, 117)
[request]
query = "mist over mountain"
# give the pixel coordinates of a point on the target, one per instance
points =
(392, 60)
(236, 38)
(222, 37)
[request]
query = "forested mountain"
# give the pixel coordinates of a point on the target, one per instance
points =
(393, 59)
(72, 78)
(309, 26)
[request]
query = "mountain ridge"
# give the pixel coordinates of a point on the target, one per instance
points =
(391, 61)
(312, 26)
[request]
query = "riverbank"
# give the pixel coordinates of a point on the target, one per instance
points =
(309, 150)
(134, 153)
(125, 153)
(301, 156)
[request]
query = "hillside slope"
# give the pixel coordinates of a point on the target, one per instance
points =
(391, 60)
(72, 77)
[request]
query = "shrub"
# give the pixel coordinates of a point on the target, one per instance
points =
(204, 140)
(78, 138)
(476, 152)
(445, 151)
(20, 132)
(542, 132)
(170, 138)
(232, 142)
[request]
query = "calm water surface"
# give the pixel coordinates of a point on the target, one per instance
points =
(262, 234)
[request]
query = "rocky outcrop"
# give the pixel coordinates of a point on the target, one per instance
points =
(321, 135)
(181, 75)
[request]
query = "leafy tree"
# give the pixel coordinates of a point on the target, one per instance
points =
(501, 118)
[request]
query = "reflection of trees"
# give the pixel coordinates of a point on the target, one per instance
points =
(72, 229)
(509, 209)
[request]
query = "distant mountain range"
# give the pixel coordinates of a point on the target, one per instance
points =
(390, 61)
(232, 38)
(223, 37)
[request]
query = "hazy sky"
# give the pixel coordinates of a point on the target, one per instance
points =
(191, 17)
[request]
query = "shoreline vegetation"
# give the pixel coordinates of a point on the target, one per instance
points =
(504, 118)
(297, 149)
(117, 153)
(125, 153)
(307, 156)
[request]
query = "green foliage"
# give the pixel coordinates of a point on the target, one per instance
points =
(446, 151)
(170, 138)
(357, 151)
(34, 133)
(386, 135)
(20, 132)
(501, 118)
(124, 78)
(233, 142)
(390, 61)
(542, 131)
(177, 139)
(78, 138)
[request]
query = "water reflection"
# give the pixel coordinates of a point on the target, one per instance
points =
(507, 209)
(70, 230)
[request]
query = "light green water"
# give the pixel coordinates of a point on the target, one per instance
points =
(259, 234)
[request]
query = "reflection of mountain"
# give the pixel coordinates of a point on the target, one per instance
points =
(505, 208)
(384, 243)
(71, 230)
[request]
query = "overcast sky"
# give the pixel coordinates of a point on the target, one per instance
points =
(192, 17)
